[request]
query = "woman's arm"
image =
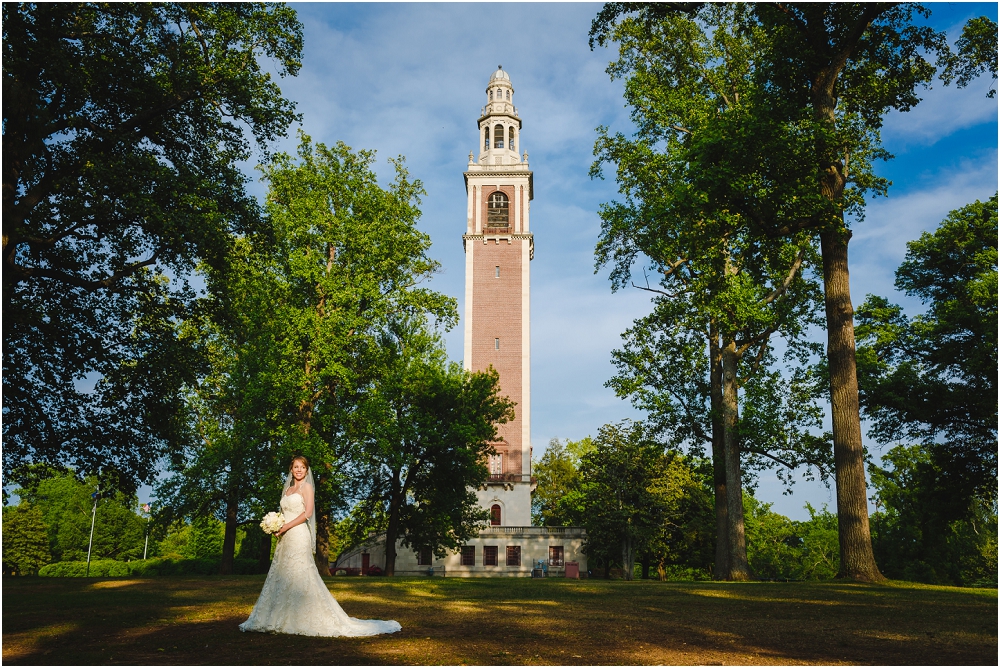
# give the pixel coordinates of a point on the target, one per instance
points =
(307, 497)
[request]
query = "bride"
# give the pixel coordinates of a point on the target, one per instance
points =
(294, 598)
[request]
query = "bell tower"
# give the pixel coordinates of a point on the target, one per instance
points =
(498, 249)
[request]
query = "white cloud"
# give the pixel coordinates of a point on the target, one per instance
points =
(943, 111)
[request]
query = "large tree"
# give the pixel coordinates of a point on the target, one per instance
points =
(624, 492)
(724, 290)
(800, 160)
(295, 337)
(123, 127)
(225, 463)
(422, 434)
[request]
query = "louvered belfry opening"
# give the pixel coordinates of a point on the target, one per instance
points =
(498, 212)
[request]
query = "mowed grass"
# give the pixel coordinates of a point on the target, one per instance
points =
(175, 620)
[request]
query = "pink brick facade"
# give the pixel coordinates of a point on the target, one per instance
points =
(497, 318)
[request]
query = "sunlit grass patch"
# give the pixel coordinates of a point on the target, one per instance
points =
(177, 620)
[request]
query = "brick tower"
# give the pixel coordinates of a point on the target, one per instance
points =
(498, 248)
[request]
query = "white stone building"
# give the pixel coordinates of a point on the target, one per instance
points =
(499, 247)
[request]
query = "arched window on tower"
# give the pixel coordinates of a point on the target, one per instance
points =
(508, 96)
(495, 515)
(498, 136)
(491, 95)
(498, 211)
(487, 144)
(510, 140)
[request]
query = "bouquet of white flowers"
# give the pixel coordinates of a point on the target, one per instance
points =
(272, 522)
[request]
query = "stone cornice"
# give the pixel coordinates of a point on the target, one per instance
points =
(486, 238)
(503, 171)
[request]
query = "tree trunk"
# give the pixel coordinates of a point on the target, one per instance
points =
(628, 558)
(393, 525)
(721, 570)
(645, 566)
(857, 561)
(322, 541)
(264, 556)
(739, 569)
(229, 540)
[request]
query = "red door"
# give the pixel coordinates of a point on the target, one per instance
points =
(365, 562)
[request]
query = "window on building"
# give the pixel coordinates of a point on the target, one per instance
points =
(496, 344)
(469, 555)
(425, 557)
(498, 209)
(513, 555)
(491, 95)
(498, 136)
(491, 555)
(498, 271)
(487, 145)
(556, 555)
(510, 135)
(495, 515)
(508, 95)
(496, 464)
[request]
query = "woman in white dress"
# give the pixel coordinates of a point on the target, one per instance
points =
(295, 598)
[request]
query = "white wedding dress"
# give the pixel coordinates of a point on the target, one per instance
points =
(295, 598)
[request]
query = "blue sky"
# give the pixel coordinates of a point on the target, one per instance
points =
(410, 79)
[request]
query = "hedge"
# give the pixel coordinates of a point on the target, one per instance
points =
(109, 568)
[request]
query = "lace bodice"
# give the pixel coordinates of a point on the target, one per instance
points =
(292, 505)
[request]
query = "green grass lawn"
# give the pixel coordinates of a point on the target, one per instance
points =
(181, 620)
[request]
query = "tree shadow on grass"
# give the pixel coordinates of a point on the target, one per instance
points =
(194, 621)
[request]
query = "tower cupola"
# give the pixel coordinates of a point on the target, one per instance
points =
(499, 125)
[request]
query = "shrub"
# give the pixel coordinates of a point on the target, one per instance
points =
(103, 568)
(99, 568)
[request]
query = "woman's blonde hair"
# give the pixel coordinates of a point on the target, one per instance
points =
(298, 458)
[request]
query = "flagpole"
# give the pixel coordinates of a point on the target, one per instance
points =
(145, 549)
(93, 518)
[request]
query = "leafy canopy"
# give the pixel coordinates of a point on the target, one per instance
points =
(123, 127)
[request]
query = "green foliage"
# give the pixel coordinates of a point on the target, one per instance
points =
(297, 338)
(726, 90)
(592, 483)
(782, 549)
(763, 121)
(624, 494)
(688, 81)
(422, 434)
(923, 531)
(977, 53)
(124, 124)
(685, 548)
(198, 539)
(557, 475)
(932, 378)
(66, 505)
(25, 540)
